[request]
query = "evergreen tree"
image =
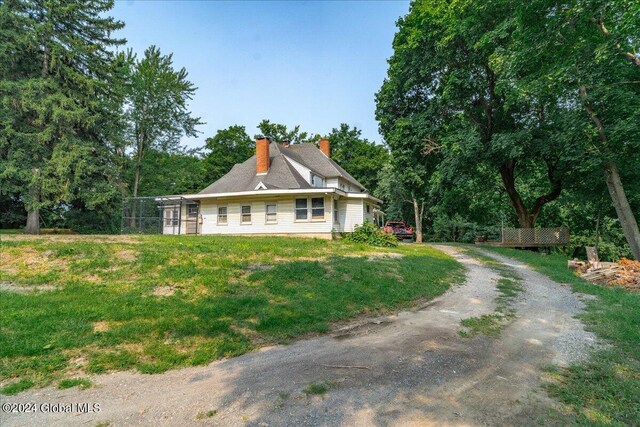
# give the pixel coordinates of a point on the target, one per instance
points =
(55, 72)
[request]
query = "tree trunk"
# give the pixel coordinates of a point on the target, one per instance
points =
(418, 212)
(614, 184)
(33, 221)
(527, 217)
(33, 208)
(136, 181)
(141, 144)
(132, 205)
(508, 180)
(620, 202)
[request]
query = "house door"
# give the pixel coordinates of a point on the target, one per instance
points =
(192, 219)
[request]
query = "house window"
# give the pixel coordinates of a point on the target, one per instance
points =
(317, 208)
(301, 209)
(316, 181)
(368, 208)
(336, 215)
(271, 213)
(222, 215)
(192, 211)
(246, 214)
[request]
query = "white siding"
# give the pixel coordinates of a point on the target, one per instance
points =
(350, 213)
(331, 182)
(344, 185)
(286, 223)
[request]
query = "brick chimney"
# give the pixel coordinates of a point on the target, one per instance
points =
(325, 147)
(262, 156)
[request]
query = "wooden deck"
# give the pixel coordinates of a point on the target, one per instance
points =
(531, 237)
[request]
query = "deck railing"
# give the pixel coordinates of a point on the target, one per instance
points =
(532, 237)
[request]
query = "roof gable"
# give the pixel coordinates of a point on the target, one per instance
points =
(281, 174)
(310, 156)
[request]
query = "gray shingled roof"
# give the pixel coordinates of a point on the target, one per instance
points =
(314, 159)
(281, 175)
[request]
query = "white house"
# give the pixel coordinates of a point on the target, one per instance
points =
(283, 189)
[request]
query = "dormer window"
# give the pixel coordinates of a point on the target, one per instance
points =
(316, 181)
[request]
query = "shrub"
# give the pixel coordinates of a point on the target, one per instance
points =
(370, 234)
(607, 250)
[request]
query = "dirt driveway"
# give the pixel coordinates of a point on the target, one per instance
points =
(409, 369)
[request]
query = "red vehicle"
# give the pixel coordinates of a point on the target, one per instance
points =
(399, 229)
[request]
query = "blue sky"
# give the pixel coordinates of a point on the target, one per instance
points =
(315, 63)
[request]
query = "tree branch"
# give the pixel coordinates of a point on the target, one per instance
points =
(592, 114)
(508, 179)
(633, 58)
(556, 189)
(431, 146)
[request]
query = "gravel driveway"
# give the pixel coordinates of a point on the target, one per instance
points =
(410, 369)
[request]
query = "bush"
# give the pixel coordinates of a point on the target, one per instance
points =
(370, 234)
(607, 250)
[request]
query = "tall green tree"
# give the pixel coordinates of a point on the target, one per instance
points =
(443, 85)
(586, 54)
(156, 108)
(362, 158)
(178, 172)
(55, 79)
(226, 148)
(279, 132)
(413, 162)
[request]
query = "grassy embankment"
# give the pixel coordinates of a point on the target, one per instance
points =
(606, 389)
(77, 305)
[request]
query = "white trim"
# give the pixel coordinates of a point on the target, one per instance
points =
(324, 209)
(242, 214)
(260, 186)
(266, 213)
(296, 209)
(363, 196)
(299, 191)
(226, 215)
(292, 192)
(309, 210)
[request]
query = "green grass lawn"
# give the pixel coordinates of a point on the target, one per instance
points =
(11, 231)
(605, 390)
(78, 305)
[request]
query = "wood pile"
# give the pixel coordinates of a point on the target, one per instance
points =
(625, 273)
(579, 266)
